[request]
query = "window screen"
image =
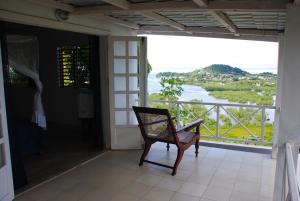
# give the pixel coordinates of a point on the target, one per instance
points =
(74, 66)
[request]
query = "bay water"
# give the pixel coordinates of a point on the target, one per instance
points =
(193, 92)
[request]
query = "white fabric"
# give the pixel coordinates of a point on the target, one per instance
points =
(23, 56)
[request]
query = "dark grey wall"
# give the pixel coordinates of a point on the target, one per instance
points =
(60, 103)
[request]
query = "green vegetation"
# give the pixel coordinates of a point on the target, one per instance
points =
(16, 78)
(171, 88)
(149, 67)
(215, 69)
(229, 129)
(233, 84)
(223, 82)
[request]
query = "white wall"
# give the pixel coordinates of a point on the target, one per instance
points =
(289, 122)
(26, 12)
(289, 119)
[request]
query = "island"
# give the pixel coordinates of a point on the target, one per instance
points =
(231, 83)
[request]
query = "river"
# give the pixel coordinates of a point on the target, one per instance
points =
(191, 92)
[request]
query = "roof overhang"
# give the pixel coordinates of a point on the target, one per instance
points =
(239, 19)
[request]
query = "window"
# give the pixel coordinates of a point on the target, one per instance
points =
(16, 78)
(73, 66)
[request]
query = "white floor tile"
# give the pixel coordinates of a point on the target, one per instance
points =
(184, 197)
(170, 183)
(149, 179)
(193, 189)
(216, 175)
(217, 194)
(238, 196)
(247, 187)
(137, 189)
(159, 194)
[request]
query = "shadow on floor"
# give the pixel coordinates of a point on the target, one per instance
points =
(63, 150)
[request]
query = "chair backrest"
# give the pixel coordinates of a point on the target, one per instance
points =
(156, 124)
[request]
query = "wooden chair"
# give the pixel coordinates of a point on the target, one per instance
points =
(157, 125)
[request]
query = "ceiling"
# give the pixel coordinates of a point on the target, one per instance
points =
(263, 19)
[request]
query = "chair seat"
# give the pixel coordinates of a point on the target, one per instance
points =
(185, 136)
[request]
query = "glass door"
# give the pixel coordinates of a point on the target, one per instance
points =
(127, 64)
(6, 183)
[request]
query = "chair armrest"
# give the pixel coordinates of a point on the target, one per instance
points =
(191, 125)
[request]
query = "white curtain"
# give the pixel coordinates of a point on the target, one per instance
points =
(23, 56)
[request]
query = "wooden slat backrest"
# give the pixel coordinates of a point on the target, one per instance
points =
(160, 117)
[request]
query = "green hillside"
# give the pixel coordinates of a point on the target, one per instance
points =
(231, 83)
(214, 69)
(223, 69)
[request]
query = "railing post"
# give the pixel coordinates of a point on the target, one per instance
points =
(178, 115)
(263, 122)
(291, 168)
(218, 122)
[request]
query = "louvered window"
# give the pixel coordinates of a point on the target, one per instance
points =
(74, 66)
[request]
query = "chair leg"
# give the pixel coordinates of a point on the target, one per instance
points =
(178, 159)
(197, 147)
(145, 152)
(197, 140)
(168, 146)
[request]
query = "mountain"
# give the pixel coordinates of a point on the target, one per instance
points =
(214, 69)
(223, 69)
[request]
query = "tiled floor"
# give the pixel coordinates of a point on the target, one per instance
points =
(217, 175)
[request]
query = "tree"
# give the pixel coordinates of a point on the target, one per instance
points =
(149, 67)
(171, 88)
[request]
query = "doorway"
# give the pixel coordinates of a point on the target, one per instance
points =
(68, 66)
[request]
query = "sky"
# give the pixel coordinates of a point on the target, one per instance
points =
(184, 54)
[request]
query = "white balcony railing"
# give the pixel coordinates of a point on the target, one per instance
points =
(217, 110)
(293, 184)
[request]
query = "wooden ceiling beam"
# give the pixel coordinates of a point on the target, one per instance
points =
(208, 30)
(123, 4)
(189, 29)
(71, 9)
(53, 4)
(218, 35)
(163, 19)
(201, 3)
(117, 21)
(217, 5)
(149, 14)
(225, 21)
(219, 16)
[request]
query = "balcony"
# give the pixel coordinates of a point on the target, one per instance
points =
(224, 122)
(216, 175)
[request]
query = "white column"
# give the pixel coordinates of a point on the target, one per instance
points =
(278, 96)
(289, 119)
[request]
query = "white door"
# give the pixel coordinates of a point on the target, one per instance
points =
(6, 183)
(128, 73)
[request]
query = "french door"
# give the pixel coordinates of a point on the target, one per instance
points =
(128, 77)
(6, 182)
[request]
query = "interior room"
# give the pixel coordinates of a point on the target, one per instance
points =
(58, 131)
